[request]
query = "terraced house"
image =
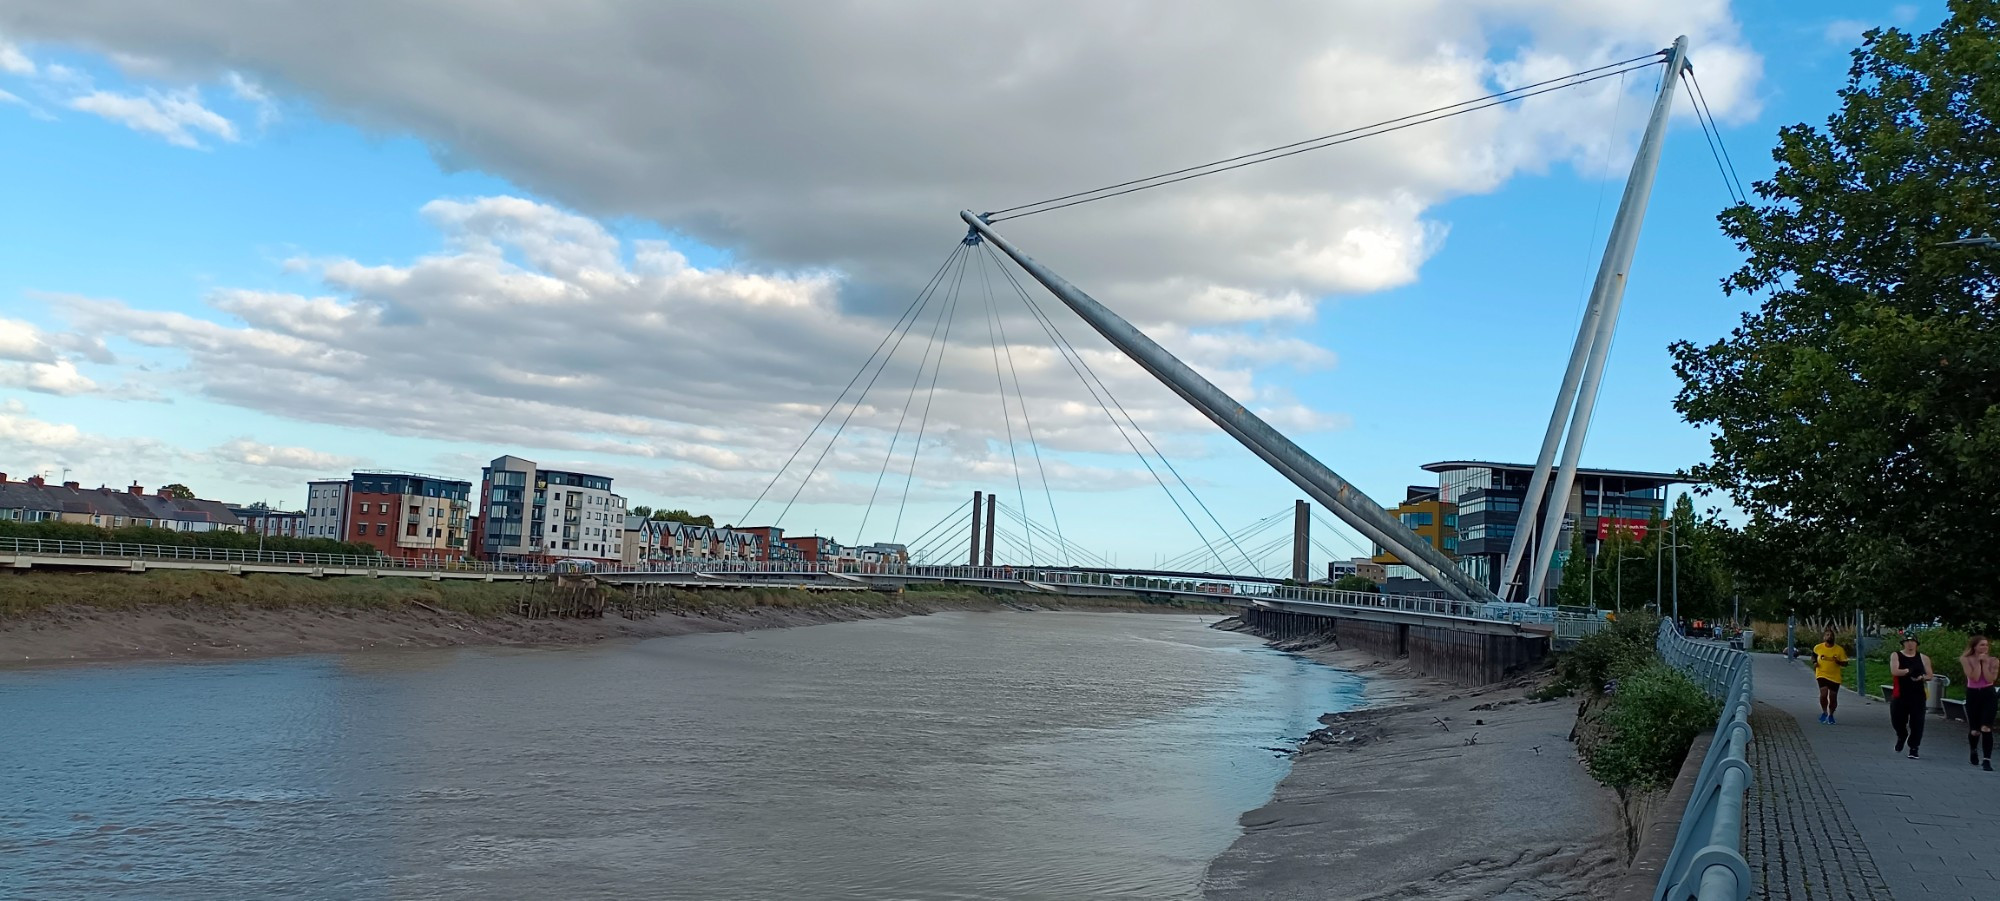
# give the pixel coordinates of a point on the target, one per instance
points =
(35, 500)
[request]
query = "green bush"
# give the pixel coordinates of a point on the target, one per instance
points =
(1943, 646)
(1610, 654)
(1653, 717)
(242, 541)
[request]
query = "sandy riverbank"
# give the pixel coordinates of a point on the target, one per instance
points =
(57, 618)
(1431, 792)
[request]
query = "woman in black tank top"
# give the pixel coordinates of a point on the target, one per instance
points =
(1912, 672)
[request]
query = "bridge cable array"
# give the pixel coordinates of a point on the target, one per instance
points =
(932, 315)
(1498, 98)
(1093, 383)
(1712, 133)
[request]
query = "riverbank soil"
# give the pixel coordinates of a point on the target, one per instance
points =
(80, 617)
(1440, 794)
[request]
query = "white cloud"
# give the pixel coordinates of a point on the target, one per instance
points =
(175, 116)
(13, 61)
(30, 445)
(60, 378)
(245, 452)
(847, 134)
(539, 329)
(24, 342)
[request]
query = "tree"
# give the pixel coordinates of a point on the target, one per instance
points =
(1854, 415)
(682, 516)
(1353, 582)
(177, 490)
(642, 511)
(1574, 589)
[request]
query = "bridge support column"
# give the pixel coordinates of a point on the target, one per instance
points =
(992, 513)
(978, 498)
(1301, 542)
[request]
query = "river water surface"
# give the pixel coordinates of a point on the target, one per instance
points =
(953, 756)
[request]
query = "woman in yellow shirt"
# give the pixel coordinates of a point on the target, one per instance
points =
(1828, 661)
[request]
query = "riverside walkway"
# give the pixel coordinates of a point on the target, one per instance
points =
(1834, 815)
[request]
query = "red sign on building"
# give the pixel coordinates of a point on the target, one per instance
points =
(1634, 529)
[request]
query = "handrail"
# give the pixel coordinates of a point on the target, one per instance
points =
(126, 550)
(1707, 863)
(1198, 586)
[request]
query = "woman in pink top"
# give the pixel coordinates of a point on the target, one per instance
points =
(1981, 670)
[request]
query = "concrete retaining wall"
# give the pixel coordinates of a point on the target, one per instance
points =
(1467, 658)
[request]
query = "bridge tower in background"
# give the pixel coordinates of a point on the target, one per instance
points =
(978, 505)
(1301, 542)
(992, 513)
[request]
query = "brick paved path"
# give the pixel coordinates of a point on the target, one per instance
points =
(1798, 838)
(1927, 829)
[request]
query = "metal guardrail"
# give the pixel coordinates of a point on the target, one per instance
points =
(1707, 862)
(121, 550)
(1202, 586)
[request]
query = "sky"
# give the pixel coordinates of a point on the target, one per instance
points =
(245, 244)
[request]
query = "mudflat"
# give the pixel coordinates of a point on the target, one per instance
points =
(1437, 793)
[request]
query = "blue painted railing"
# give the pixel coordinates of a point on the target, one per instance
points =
(1707, 861)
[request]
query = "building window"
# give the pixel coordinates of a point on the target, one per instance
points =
(360, 528)
(381, 528)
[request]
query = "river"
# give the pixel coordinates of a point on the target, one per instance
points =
(953, 756)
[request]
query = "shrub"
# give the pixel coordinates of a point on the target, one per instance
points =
(1608, 655)
(1654, 715)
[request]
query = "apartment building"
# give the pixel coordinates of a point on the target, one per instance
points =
(262, 519)
(326, 508)
(406, 515)
(531, 514)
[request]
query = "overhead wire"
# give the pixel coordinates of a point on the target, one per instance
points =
(1049, 326)
(850, 413)
(956, 253)
(1000, 382)
(1344, 136)
(1741, 195)
(1021, 397)
(917, 447)
(896, 436)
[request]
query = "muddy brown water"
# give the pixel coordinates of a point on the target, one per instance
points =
(954, 756)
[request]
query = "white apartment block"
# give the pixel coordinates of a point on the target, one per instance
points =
(549, 514)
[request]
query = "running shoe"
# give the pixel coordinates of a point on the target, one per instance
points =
(1829, 720)
(1913, 753)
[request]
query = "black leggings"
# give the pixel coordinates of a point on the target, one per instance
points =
(1907, 714)
(1979, 707)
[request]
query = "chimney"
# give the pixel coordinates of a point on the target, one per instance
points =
(135, 489)
(164, 493)
(36, 481)
(73, 485)
(3, 478)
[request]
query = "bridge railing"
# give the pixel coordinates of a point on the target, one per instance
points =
(46, 547)
(1190, 585)
(1707, 862)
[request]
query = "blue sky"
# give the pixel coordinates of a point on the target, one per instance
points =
(1460, 362)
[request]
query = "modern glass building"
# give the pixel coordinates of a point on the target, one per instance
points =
(1486, 500)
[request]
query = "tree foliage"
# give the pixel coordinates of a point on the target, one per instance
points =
(178, 490)
(1855, 414)
(683, 516)
(1353, 582)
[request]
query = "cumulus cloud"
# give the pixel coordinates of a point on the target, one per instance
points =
(846, 134)
(175, 116)
(537, 328)
(60, 378)
(245, 452)
(32, 445)
(13, 61)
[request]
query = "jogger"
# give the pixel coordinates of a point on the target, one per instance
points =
(1829, 658)
(1981, 671)
(1908, 707)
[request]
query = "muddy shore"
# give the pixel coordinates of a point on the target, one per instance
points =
(1431, 792)
(53, 619)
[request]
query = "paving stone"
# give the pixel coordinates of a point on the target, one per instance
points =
(1835, 814)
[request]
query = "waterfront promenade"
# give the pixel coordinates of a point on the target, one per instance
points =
(1835, 815)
